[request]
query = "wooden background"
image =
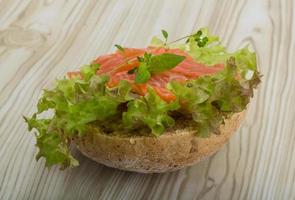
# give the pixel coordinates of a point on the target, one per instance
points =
(42, 39)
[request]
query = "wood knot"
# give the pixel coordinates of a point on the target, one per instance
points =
(257, 30)
(19, 37)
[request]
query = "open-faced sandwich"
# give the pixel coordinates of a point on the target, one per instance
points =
(154, 109)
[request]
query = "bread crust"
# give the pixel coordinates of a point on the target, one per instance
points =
(146, 154)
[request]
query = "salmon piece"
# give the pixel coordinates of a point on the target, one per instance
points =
(140, 89)
(110, 63)
(116, 78)
(165, 94)
(126, 67)
(102, 59)
(131, 52)
(118, 64)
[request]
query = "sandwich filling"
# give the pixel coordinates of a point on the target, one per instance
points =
(144, 92)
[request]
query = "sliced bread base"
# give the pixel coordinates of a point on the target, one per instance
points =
(168, 152)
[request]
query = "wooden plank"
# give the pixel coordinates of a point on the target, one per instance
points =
(41, 40)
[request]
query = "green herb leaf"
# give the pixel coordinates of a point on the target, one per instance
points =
(198, 34)
(119, 47)
(155, 64)
(147, 58)
(132, 71)
(163, 62)
(200, 38)
(140, 59)
(143, 74)
(165, 35)
(202, 41)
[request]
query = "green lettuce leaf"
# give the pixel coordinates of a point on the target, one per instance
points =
(51, 146)
(150, 111)
(210, 99)
(76, 103)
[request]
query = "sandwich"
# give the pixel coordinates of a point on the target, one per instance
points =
(148, 110)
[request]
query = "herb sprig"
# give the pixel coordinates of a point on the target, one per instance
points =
(150, 64)
(200, 37)
(165, 35)
(119, 47)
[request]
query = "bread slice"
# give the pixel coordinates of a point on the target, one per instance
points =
(147, 154)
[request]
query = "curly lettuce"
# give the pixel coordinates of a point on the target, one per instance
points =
(79, 103)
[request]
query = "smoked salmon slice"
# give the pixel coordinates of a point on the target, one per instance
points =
(118, 65)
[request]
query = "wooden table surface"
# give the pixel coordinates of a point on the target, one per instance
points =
(43, 39)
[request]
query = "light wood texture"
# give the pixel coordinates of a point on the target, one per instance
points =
(41, 40)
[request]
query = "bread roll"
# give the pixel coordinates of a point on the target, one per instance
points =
(171, 151)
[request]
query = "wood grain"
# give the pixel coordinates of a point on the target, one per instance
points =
(42, 39)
